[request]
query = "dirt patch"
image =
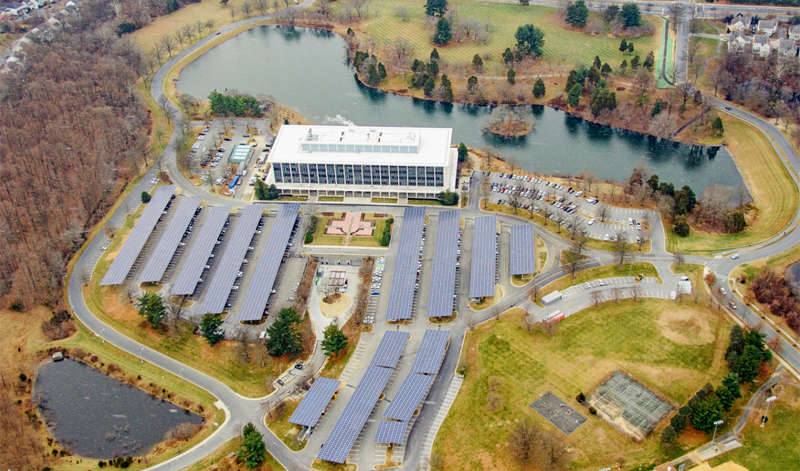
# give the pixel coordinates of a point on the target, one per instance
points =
(683, 326)
(336, 307)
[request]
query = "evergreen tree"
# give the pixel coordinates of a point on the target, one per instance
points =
(635, 63)
(649, 61)
(623, 67)
(668, 436)
(429, 86)
(334, 340)
(530, 40)
(472, 81)
(575, 95)
(539, 89)
(630, 15)
(283, 334)
(447, 89)
(146, 197)
(210, 325)
(435, 7)
(735, 222)
(381, 71)
(443, 35)
(433, 68)
(681, 227)
(252, 451)
(623, 46)
(511, 76)
(434, 55)
(705, 412)
(273, 192)
(508, 56)
(605, 71)
(260, 190)
(463, 152)
(373, 78)
(729, 391)
(597, 64)
(477, 62)
(718, 127)
(630, 48)
(656, 111)
(448, 198)
(151, 307)
(577, 14)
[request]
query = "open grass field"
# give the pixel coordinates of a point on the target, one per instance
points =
(283, 429)
(776, 447)
(219, 458)
(707, 48)
(672, 348)
(110, 304)
(377, 234)
(771, 185)
(605, 271)
(320, 238)
(561, 44)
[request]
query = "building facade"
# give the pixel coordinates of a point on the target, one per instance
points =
(355, 161)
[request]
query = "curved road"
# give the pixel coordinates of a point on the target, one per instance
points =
(241, 410)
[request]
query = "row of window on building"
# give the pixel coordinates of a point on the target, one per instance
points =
(384, 149)
(339, 174)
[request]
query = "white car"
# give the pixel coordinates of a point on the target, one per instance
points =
(591, 222)
(735, 256)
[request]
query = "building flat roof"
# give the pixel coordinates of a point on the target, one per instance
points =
(432, 145)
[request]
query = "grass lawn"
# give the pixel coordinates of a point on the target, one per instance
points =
(110, 304)
(773, 189)
(521, 280)
(330, 198)
(776, 447)
(561, 44)
(426, 202)
(384, 200)
(674, 348)
(541, 253)
(283, 429)
(377, 234)
(219, 458)
(486, 303)
(604, 271)
(292, 198)
(320, 238)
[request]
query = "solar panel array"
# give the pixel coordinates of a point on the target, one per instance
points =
(523, 254)
(484, 257)
(164, 251)
(431, 351)
(138, 237)
(220, 287)
(390, 432)
(264, 277)
(408, 397)
(355, 415)
(314, 402)
(390, 349)
(187, 279)
(401, 296)
(443, 281)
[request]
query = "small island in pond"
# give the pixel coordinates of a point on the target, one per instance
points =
(505, 121)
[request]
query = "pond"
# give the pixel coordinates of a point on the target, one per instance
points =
(94, 415)
(307, 70)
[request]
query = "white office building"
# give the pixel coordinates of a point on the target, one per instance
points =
(363, 161)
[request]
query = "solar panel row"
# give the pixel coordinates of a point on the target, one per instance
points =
(408, 397)
(484, 257)
(314, 402)
(355, 415)
(523, 256)
(390, 349)
(192, 269)
(264, 277)
(401, 295)
(443, 280)
(138, 237)
(390, 432)
(430, 352)
(165, 250)
(220, 287)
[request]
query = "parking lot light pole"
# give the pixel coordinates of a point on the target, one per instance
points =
(101, 335)
(764, 419)
(717, 423)
(140, 355)
(181, 373)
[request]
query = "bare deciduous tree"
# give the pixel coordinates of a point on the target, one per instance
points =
(621, 249)
(603, 212)
(524, 440)
(595, 298)
(616, 294)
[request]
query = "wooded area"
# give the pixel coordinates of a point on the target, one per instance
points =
(74, 131)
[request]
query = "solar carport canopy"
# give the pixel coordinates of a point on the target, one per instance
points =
(355, 415)
(443, 281)
(482, 274)
(161, 256)
(221, 284)
(408, 397)
(430, 352)
(190, 273)
(314, 402)
(523, 257)
(390, 349)
(141, 232)
(264, 277)
(401, 295)
(390, 432)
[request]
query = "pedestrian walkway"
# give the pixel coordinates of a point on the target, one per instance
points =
(444, 408)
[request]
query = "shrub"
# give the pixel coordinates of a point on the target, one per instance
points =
(592, 410)
(581, 398)
(386, 238)
(146, 197)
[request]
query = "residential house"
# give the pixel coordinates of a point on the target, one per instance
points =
(787, 48)
(761, 45)
(740, 23)
(781, 33)
(768, 27)
(794, 33)
(736, 41)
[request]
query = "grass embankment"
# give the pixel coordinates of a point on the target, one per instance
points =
(561, 44)
(776, 447)
(601, 272)
(282, 428)
(771, 185)
(320, 238)
(375, 239)
(219, 460)
(564, 233)
(110, 304)
(674, 348)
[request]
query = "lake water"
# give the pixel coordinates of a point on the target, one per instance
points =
(306, 70)
(96, 416)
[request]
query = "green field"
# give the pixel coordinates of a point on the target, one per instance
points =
(377, 233)
(560, 44)
(320, 238)
(672, 347)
